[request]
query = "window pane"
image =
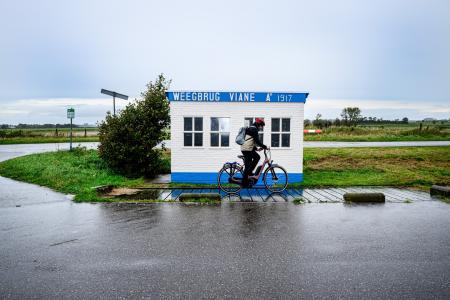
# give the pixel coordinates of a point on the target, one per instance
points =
(198, 139)
(187, 124)
(198, 125)
(275, 125)
(286, 125)
(225, 139)
(248, 122)
(275, 140)
(214, 124)
(225, 124)
(188, 139)
(214, 140)
(261, 137)
(285, 140)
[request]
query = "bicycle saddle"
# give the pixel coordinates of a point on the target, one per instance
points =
(241, 156)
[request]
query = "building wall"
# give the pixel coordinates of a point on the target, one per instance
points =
(193, 164)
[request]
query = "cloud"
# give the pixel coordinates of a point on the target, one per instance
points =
(53, 110)
(380, 104)
(388, 109)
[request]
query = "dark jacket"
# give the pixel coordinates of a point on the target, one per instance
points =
(253, 132)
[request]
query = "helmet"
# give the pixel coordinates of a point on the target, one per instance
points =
(260, 122)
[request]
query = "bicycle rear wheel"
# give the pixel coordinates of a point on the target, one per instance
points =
(230, 178)
(275, 179)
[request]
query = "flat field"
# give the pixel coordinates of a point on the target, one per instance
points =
(360, 133)
(383, 133)
(47, 135)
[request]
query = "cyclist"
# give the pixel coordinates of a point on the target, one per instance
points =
(248, 149)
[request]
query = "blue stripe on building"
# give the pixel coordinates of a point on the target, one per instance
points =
(269, 97)
(211, 178)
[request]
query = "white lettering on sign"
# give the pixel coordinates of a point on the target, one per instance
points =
(268, 98)
(196, 96)
(284, 98)
(242, 97)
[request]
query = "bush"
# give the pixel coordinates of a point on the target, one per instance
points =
(127, 140)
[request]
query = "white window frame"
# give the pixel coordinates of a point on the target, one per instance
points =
(260, 132)
(193, 131)
(220, 133)
(280, 133)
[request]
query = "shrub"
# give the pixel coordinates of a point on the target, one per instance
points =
(127, 140)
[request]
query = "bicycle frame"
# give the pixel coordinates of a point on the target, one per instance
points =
(267, 160)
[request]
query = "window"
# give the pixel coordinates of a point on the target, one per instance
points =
(220, 132)
(193, 131)
(249, 121)
(281, 132)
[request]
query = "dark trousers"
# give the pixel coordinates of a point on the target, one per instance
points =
(251, 159)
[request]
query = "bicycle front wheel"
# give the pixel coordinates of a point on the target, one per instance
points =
(275, 179)
(230, 178)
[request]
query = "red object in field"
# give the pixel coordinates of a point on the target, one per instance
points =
(312, 131)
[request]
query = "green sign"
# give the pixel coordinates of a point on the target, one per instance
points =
(70, 113)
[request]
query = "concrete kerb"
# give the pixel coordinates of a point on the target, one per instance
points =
(365, 197)
(437, 190)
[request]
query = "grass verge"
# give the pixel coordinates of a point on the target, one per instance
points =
(418, 167)
(78, 171)
(68, 172)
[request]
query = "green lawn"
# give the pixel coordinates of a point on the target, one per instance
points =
(78, 171)
(68, 172)
(403, 166)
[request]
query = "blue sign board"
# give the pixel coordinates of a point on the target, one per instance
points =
(199, 96)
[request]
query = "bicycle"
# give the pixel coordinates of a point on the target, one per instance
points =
(230, 177)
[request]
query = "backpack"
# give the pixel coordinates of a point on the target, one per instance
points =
(240, 138)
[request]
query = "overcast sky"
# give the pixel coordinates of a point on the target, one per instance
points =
(390, 58)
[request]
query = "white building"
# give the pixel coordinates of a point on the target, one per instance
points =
(204, 126)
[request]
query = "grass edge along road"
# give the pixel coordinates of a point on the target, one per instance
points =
(77, 172)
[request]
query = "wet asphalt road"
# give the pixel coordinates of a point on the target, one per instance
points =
(233, 250)
(53, 248)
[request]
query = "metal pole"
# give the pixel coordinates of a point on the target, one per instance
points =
(114, 104)
(70, 134)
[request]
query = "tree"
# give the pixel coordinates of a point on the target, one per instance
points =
(128, 139)
(351, 115)
(318, 122)
(405, 120)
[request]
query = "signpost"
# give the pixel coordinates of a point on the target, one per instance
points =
(114, 95)
(221, 96)
(71, 115)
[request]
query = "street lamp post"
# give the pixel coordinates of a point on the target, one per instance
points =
(114, 95)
